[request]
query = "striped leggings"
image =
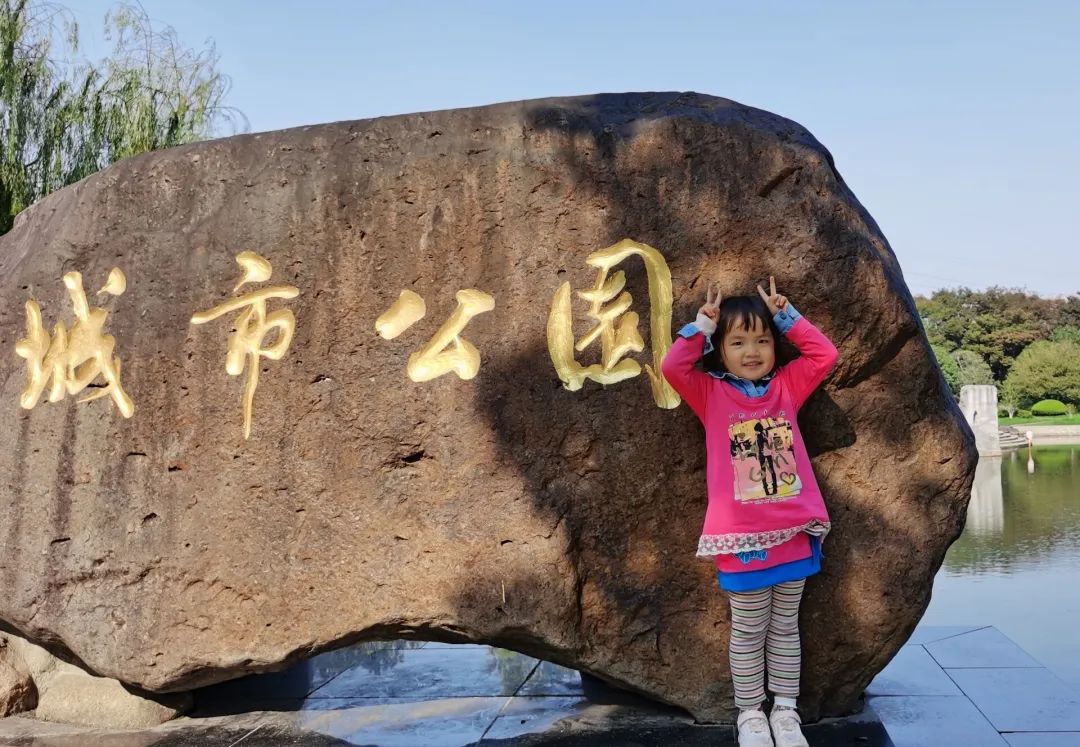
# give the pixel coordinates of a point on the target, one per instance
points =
(765, 631)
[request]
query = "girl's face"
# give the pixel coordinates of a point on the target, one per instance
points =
(749, 353)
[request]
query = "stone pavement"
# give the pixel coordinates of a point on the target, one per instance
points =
(953, 687)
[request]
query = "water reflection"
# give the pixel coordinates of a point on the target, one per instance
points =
(1017, 518)
(1015, 565)
(374, 656)
(380, 657)
(512, 666)
(986, 512)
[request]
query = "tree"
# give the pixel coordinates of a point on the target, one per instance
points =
(996, 324)
(948, 367)
(62, 119)
(1070, 312)
(1045, 370)
(971, 368)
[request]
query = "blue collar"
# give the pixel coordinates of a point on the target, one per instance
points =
(750, 388)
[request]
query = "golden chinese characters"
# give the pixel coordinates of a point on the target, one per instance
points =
(406, 311)
(253, 325)
(73, 358)
(616, 326)
(446, 351)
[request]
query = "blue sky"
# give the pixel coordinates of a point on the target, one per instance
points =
(955, 123)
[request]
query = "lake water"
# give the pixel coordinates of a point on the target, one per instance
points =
(1017, 564)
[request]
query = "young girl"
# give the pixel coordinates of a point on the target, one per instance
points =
(766, 518)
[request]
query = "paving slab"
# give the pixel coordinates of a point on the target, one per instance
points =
(444, 722)
(935, 721)
(986, 647)
(929, 633)
(533, 714)
(605, 725)
(1043, 739)
(552, 679)
(1021, 699)
(913, 672)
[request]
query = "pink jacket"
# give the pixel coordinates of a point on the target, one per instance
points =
(761, 488)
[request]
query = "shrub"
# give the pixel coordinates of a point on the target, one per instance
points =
(1049, 407)
(1021, 413)
(1045, 370)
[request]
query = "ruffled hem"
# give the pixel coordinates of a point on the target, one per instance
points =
(728, 544)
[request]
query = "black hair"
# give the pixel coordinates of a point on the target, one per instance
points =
(738, 311)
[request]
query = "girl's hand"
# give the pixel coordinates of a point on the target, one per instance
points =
(711, 308)
(772, 299)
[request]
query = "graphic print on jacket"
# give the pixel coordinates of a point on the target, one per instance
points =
(763, 459)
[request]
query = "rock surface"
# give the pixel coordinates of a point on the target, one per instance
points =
(166, 551)
(61, 692)
(79, 698)
(17, 691)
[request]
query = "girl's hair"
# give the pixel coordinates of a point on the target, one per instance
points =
(738, 311)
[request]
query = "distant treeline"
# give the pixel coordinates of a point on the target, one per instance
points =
(1027, 345)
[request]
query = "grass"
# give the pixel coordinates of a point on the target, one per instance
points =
(1045, 420)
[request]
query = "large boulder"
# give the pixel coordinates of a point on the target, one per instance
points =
(168, 551)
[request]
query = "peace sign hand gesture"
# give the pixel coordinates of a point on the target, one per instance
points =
(711, 308)
(772, 299)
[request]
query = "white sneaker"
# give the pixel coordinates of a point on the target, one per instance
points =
(786, 729)
(753, 729)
